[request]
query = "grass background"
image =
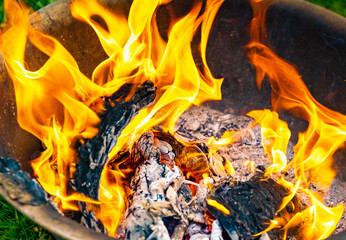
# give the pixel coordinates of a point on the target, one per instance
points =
(338, 6)
(15, 226)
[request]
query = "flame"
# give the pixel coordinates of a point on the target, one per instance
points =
(275, 137)
(145, 51)
(313, 153)
(226, 139)
(218, 206)
(251, 165)
(57, 90)
(229, 168)
(54, 102)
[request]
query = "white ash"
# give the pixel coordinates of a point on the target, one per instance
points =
(160, 192)
(200, 236)
(165, 198)
(200, 123)
(216, 232)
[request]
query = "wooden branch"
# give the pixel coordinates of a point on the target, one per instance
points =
(93, 154)
(19, 185)
(251, 204)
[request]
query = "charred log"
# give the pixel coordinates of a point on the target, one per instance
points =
(251, 204)
(162, 205)
(19, 185)
(93, 154)
(89, 219)
(138, 220)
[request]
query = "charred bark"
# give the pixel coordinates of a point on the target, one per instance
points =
(89, 219)
(19, 185)
(93, 154)
(251, 204)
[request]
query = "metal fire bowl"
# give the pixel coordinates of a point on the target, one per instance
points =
(310, 37)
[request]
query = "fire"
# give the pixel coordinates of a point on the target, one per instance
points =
(275, 138)
(227, 138)
(217, 205)
(63, 95)
(313, 153)
(144, 51)
(56, 103)
(58, 113)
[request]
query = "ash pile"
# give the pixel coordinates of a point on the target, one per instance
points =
(182, 189)
(172, 200)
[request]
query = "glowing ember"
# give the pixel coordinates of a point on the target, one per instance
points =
(58, 104)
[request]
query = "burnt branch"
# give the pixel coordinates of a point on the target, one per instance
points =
(252, 204)
(89, 219)
(93, 154)
(19, 185)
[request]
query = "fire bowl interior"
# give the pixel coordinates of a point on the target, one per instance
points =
(311, 38)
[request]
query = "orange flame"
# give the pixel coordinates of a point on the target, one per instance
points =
(227, 138)
(314, 150)
(53, 103)
(57, 90)
(275, 137)
(145, 51)
(229, 168)
(218, 206)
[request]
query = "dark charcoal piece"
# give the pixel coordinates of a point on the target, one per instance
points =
(93, 154)
(90, 220)
(19, 185)
(251, 205)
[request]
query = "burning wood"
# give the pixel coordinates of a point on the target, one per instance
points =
(19, 185)
(251, 204)
(93, 153)
(170, 177)
(161, 193)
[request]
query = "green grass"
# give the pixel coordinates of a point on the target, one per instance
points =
(34, 4)
(338, 6)
(38, 4)
(15, 226)
(1, 10)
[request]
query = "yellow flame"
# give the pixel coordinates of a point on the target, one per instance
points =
(229, 168)
(313, 153)
(251, 165)
(218, 206)
(53, 103)
(227, 138)
(275, 137)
